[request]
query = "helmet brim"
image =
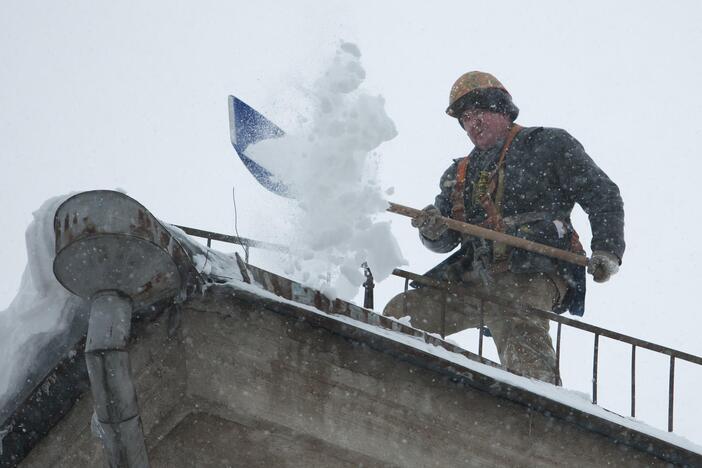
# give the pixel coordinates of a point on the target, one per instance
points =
(490, 99)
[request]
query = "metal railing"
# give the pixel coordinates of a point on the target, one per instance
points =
(559, 319)
(210, 236)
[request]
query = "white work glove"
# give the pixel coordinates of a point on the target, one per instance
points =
(429, 223)
(602, 265)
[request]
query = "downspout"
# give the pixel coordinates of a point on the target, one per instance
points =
(114, 395)
(113, 252)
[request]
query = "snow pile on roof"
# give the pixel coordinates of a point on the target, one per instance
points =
(43, 310)
(37, 313)
(332, 170)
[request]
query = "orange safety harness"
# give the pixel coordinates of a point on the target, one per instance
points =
(488, 185)
(494, 183)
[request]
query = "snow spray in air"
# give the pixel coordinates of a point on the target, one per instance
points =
(331, 169)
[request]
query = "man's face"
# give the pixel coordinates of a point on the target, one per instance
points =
(485, 128)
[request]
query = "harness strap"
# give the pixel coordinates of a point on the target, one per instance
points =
(493, 209)
(575, 244)
(458, 208)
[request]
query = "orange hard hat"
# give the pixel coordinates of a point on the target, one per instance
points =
(477, 89)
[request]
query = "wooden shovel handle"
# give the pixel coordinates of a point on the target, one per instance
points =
(495, 236)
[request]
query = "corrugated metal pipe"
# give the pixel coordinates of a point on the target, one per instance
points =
(114, 395)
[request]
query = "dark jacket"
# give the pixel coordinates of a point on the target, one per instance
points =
(546, 171)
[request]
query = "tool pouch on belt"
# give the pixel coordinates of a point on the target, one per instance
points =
(548, 231)
(558, 233)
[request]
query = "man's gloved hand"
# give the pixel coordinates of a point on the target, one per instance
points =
(602, 265)
(429, 223)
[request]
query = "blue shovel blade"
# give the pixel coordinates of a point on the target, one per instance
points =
(246, 127)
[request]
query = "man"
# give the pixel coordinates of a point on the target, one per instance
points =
(524, 182)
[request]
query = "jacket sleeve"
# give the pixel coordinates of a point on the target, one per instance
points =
(583, 182)
(450, 239)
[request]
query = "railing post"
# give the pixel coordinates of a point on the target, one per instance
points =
(671, 390)
(209, 242)
(482, 326)
(443, 315)
(633, 381)
(594, 369)
(404, 298)
(368, 286)
(558, 353)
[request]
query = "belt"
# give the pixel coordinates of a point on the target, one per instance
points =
(500, 261)
(528, 217)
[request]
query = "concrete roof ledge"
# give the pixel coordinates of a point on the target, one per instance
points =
(249, 377)
(247, 368)
(388, 335)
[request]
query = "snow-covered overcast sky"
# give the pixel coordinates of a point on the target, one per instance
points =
(97, 94)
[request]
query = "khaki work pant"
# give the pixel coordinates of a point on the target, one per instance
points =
(522, 340)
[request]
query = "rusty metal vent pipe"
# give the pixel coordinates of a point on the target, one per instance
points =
(112, 251)
(111, 384)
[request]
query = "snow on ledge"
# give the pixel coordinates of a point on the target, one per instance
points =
(571, 398)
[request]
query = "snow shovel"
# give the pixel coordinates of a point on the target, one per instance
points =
(489, 234)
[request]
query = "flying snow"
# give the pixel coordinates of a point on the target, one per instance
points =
(331, 169)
